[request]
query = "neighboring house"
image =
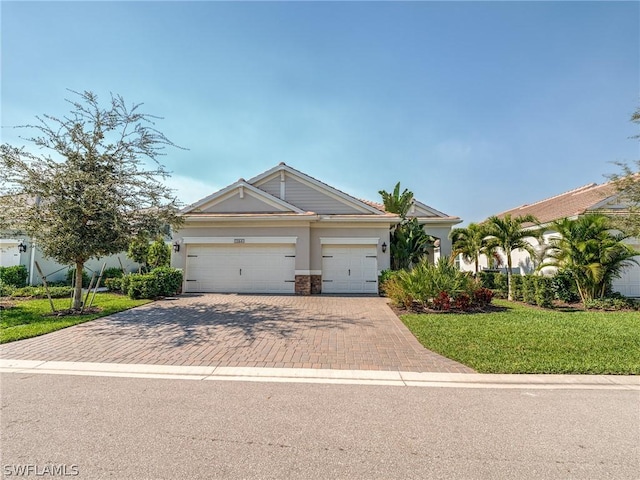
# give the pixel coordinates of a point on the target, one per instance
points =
(286, 232)
(590, 198)
(11, 255)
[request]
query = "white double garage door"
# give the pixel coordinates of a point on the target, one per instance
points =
(270, 268)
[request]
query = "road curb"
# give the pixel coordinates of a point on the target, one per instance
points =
(327, 376)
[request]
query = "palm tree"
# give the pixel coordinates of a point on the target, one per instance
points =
(396, 202)
(507, 233)
(471, 243)
(590, 252)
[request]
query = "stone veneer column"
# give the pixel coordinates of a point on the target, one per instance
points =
(303, 285)
(316, 284)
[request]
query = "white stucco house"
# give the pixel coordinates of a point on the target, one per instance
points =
(22, 250)
(284, 231)
(586, 199)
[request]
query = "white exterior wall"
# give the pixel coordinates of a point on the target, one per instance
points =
(628, 284)
(56, 272)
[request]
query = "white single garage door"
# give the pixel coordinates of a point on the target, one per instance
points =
(240, 268)
(349, 269)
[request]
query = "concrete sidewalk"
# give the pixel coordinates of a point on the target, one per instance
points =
(331, 376)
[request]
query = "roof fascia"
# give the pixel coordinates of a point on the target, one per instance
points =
(426, 207)
(225, 193)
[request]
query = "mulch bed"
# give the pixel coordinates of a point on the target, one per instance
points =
(72, 312)
(417, 308)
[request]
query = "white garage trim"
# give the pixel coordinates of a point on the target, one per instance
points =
(308, 272)
(349, 241)
(239, 239)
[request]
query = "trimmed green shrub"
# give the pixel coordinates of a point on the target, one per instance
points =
(161, 281)
(516, 285)
(71, 274)
(169, 280)
(544, 294)
(142, 286)
(501, 285)
(488, 279)
(528, 289)
(40, 292)
(113, 284)
(113, 272)
(15, 276)
(564, 287)
(612, 303)
(6, 290)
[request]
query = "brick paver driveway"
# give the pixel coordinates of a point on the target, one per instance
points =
(244, 330)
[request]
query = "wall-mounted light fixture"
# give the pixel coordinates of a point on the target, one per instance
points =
(384, 247)
(176, 247)
(22, 247)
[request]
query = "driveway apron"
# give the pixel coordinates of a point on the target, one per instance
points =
(352, 333)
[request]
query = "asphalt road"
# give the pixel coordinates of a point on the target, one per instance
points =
(130, 428)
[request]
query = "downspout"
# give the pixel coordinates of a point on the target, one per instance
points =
(32, 262)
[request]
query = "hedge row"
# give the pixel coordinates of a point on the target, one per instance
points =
(532, 289)
(14, 276)
(160, 282)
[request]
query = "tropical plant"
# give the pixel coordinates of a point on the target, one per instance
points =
(507, 234)
(396, 202)
(590, 252)
(441, 286)
(409, 244)
(470, 242)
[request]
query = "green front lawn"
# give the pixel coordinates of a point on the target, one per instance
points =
(28, 318)
(523, 339)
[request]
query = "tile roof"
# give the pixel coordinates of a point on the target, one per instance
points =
(380, 206)
(567, 204)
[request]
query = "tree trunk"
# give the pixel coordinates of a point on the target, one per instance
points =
(509, 284)
(477, 259)
(77, 293)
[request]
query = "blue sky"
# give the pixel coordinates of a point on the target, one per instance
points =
(476, 107)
